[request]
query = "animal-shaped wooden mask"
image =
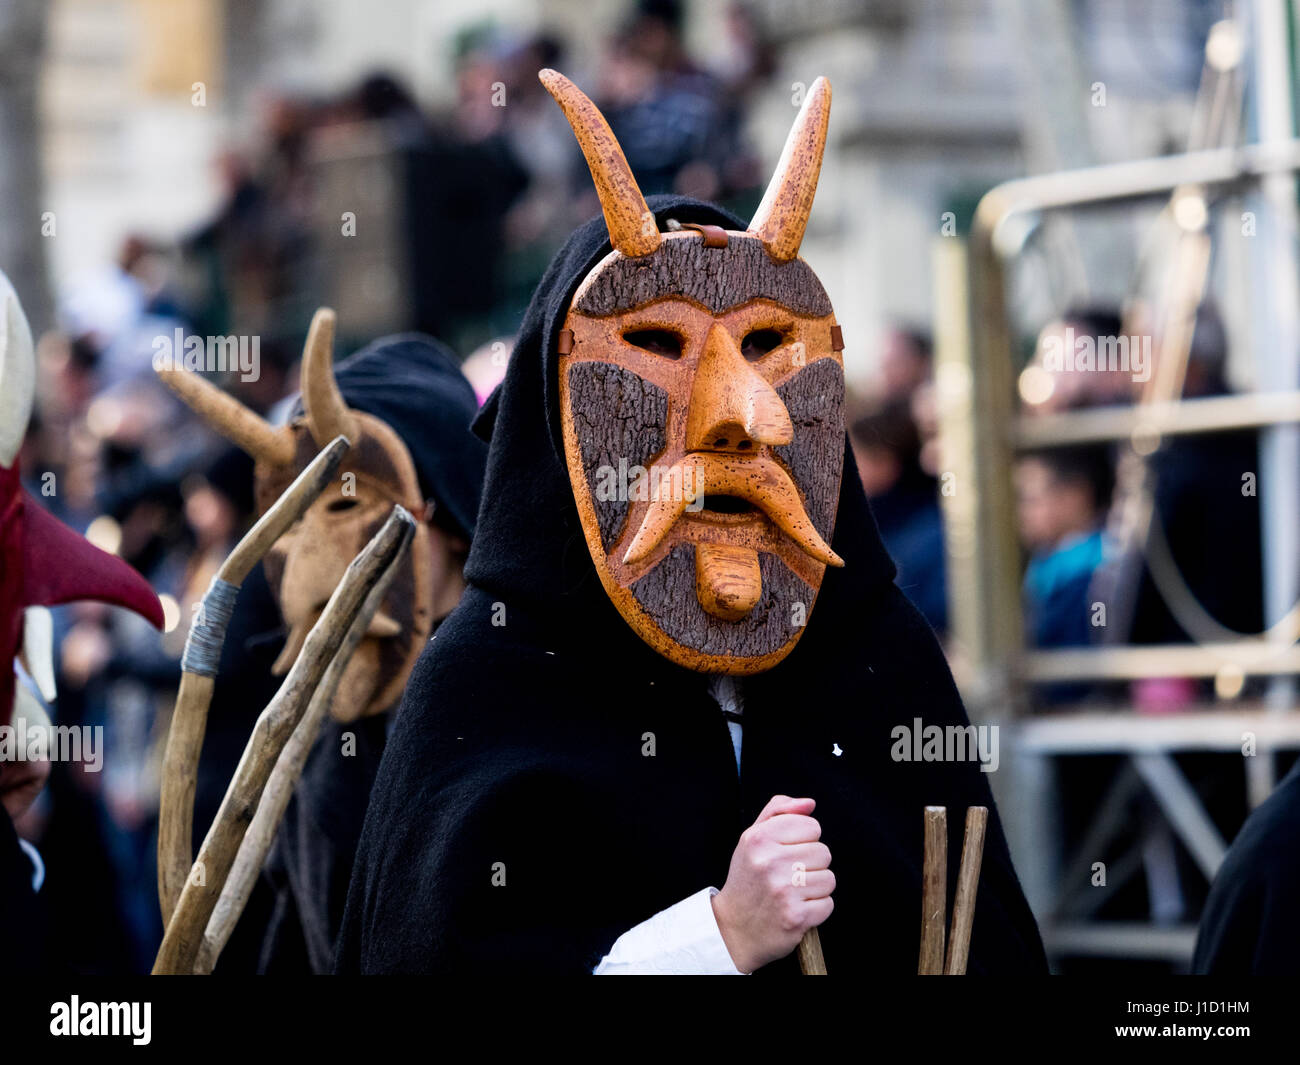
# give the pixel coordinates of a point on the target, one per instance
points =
(702, 399)
(307, 563)
(42, 561)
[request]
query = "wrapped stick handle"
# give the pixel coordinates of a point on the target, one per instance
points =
(184, 936)
(281, 784)
(199, 670)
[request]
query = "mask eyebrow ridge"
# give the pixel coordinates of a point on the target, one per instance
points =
(679, 269)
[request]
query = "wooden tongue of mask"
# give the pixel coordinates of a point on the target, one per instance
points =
(727, 580)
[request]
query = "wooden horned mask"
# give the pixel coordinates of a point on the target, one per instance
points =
(306, 564)
(702, 400)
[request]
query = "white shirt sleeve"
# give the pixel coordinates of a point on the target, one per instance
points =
(683, 940)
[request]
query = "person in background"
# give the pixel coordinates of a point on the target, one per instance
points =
(1051, 384)
(905, 503)
(906, 363)
(1207, 497)
(1061, 498)
(413, 385)
(1207, 505)
(668, 113)
(43, 563)
(905, 376)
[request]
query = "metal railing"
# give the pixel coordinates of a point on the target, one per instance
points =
(981, 433)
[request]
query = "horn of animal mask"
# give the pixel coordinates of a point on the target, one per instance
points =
(327, 412)
(632, 228)
(782, 216)
(224, 413)
(17, 373)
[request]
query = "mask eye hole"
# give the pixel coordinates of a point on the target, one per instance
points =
(759, 342)
(340, 505)
(659, 342)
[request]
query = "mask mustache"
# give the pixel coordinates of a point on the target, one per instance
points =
(382, 627)
(756, 480)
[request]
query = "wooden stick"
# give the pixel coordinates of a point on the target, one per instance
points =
(190, 717)
(277, 722)
(963, 904)
(811, 962)
(934, 891)
(284, 779)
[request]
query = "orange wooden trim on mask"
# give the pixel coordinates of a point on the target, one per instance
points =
(601, 340)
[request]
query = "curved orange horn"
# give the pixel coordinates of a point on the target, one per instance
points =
(327, 413)
(632, 228)
(782, 217)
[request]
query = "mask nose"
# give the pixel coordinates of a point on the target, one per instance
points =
(732, 409)
(308, 578)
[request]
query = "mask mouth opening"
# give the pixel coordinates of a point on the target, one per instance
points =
(727, 506)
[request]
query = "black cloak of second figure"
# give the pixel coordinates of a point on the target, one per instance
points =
(1250, 925)
(551, 781)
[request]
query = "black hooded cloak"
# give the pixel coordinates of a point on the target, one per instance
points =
(23, 918)
(1251, 925)
(415, 385)
(516, 826)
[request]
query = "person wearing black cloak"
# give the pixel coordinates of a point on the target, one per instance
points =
(1250, 925)
(43, 563)
(648, 689)
(414, 386)
(406, 408)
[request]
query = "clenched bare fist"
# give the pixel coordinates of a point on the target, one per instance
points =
(778, 887)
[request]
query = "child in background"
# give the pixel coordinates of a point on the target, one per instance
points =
(1062, 498)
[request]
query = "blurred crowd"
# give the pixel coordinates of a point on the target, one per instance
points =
(1089, 578)
(1084, 584)
(1088, 583)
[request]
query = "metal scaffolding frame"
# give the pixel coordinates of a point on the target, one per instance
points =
(981, 435)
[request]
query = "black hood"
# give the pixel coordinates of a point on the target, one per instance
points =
(415, 385)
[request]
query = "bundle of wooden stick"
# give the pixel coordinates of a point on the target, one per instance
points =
(934, 891)
(203, 898)
(934, 899)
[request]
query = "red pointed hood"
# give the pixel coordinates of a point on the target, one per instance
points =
(45, 563)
